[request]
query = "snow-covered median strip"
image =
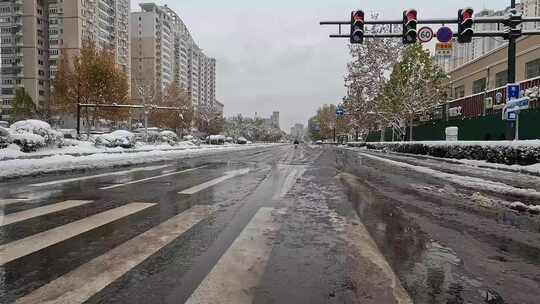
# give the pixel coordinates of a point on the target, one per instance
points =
(465, 181)
(58, 163)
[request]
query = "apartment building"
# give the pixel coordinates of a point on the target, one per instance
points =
(23, 51)
(531, 8)
(164, 52)
(34, 33)
(490, 71)
(480, 46)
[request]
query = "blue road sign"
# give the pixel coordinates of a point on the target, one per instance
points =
(444, 34)
(512, 91)
(518, 104)
(340, 111)
(511, 116)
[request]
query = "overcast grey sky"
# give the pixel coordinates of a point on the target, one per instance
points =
(273, 56)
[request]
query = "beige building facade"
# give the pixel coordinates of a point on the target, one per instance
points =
(164, 52)
(490, 71)
(34, 33)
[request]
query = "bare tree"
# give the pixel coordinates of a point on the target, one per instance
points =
(367, 73)
(147, 92)
(179, 114)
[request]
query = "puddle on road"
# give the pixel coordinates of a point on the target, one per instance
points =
(429, 271)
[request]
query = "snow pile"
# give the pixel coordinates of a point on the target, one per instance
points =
(521, 207)
(524, 152)
(241, 141)
(169, 137)
(118, 138)
(32, 135)
(356, 144)
(28, 142)
(462, 180)
(216, 139)
(5, 138)
(60, 163)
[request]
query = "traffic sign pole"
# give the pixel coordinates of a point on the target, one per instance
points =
(516, 137)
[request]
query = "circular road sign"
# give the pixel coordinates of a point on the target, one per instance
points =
(444, 34)
(425, 34)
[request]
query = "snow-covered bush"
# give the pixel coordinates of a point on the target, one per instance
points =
(119, 138)
(241, 141)
(34, 134)
(493, 153)
(40, 128)
(356, 144)
(153, 137)
(29, 142)
(169, 137)
(5, 138)
(215, 139)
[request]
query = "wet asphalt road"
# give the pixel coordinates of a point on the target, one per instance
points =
(268, 225)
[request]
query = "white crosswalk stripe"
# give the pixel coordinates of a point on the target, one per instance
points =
(17, 249)
(214, 182)
(80, 284)
(87, 177)
(150, 178)
(28, 214)
(10, 201)
(239, 270)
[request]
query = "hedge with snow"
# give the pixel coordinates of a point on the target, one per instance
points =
(32, 135)
(524, 152)
(119, 138)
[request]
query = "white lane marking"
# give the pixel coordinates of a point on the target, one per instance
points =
(10, 201)
(14, 250)
(290, 180)
(150, 178)
(81, 283)
(28, 214)
(237, 273)
(213, 182)
(76, 179)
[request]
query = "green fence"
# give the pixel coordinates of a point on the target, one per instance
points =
(479, 128)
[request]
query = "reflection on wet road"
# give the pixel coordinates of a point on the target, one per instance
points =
(314, 224)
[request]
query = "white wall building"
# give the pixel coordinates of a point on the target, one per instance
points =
(164, 52)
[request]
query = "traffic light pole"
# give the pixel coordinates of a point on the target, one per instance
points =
(512, 50)
(512, 34)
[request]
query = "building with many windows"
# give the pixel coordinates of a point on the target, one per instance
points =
(490, 71)
(164, 52)
(34, 33)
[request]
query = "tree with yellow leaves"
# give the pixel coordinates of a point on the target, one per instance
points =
(91, 77)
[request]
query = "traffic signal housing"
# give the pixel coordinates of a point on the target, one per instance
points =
(357, 27)
(410, 22)
(465, 25)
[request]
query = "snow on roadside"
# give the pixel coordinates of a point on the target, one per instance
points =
(85, 147)
(535, 169)
(483, 143)
(24, 167)
(465, 181)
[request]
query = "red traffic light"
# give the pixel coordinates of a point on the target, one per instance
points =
(411, 16)
(358, 16)
(357, 27)
(466, 17)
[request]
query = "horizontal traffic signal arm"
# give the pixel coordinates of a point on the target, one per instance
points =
(501, 20)
(477, 34)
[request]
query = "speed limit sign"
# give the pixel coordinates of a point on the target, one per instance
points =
(425, 34)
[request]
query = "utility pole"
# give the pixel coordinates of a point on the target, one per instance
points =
(512, 46)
